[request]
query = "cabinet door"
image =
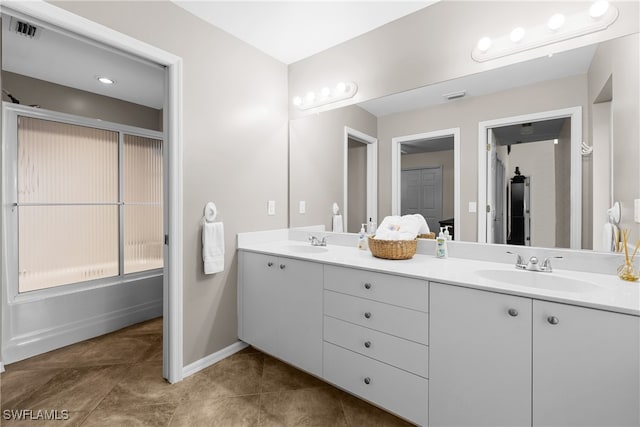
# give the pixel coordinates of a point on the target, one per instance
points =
(480, 358)
(586, 367)
(300, 307)
(261, 301)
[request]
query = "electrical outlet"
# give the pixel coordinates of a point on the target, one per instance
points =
(302, 207)
(271, 207)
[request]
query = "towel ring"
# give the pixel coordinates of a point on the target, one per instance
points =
(210, 212)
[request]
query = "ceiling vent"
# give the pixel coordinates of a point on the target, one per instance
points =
(24, 28)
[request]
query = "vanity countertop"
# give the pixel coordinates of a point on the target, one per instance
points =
(605, 291)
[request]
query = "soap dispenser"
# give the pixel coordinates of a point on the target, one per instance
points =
(446, 232)
(362, 239)
(441, 244)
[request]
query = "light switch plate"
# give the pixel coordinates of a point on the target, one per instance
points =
(271, 207)
(636, 210)
(302, 207)
(473, 207)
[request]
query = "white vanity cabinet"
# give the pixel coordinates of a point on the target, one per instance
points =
(280, 308)
(480, 348)
(376, 333)
(497, 359)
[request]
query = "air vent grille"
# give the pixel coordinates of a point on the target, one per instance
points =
(26, 29)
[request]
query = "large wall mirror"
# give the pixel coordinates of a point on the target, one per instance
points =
(576, 169)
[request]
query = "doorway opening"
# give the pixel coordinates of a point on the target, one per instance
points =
(425, 174)
(360, 202)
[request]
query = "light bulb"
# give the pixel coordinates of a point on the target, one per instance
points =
(598, 8)
(484, 44)
(105, 80)
(311, 97)
(297, 101)
(341, 87)
(517, 34)
(325, 92)
(555, 22)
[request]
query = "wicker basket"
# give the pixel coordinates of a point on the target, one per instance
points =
(393, 249)
(431, 235)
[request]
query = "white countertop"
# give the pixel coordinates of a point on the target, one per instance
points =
(605, 291)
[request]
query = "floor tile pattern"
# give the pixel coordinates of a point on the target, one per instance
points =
(116, 380)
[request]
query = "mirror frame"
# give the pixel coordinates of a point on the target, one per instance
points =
(575, 114)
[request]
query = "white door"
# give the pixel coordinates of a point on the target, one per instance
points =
(479, 358)
(586, 367)
(422, 194)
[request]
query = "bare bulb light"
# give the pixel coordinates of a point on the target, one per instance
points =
(325, 92)
(341, 87)
(105, 80)
(297, 101)
(484, 44)
(517, 34)
(556, 21)
(311, 97)
(598, 9)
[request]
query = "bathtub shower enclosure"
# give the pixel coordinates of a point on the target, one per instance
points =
(83, 211)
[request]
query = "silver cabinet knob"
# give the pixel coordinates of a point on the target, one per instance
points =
(367, 380)
(367, 315)
(269, 264)
(512, 312)
(553, 320)
(367, 285)
(282, 266)
(367, 344)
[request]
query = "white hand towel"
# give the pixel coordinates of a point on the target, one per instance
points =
(213, 247)
(337, 223)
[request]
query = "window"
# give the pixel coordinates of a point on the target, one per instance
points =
(88, 200)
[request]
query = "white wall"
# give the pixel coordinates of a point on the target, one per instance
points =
(235, 148)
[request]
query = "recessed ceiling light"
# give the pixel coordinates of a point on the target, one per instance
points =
(105, 80)
(556, 21)
(598, 8)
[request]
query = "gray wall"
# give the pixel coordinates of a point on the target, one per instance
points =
(235, 148)
(316, 161)
(50, 96)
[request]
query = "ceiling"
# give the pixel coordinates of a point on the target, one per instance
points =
(293, 30)
(544, 130)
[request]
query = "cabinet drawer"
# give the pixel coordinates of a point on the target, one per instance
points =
(401, 353)
(402, 291)
(401, 322)
(393, 389)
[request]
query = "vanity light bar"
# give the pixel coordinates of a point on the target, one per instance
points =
(599, 17)
(326, 96)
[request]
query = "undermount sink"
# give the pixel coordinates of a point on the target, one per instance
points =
(538, 280)
(307, 249)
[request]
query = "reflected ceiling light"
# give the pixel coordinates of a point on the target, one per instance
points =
(556, 21)
(517, 34)
(484, 44)
(598, 9)
(326, 96)
(555, 141)
(559, 27)
(105, 80)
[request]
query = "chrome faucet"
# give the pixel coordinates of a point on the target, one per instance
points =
(534, 263)
(318, 242)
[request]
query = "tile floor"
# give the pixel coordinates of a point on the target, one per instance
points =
(116, 380)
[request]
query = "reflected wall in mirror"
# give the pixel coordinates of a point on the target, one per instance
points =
(575, 78)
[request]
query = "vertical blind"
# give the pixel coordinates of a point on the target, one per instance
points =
(80, 217)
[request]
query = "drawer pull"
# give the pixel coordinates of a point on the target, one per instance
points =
(367, 285)
(367, 380)
(513, 312)
(367, 344)
(269, 264)
(282, 266)
(367, 315)
(553, 320)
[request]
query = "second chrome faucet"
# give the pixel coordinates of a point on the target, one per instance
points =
(534, 263)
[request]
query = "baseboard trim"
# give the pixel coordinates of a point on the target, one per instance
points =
(213, 358)
(23, 347)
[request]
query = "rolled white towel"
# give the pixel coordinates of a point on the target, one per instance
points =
(395, 227)
(424, 227)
